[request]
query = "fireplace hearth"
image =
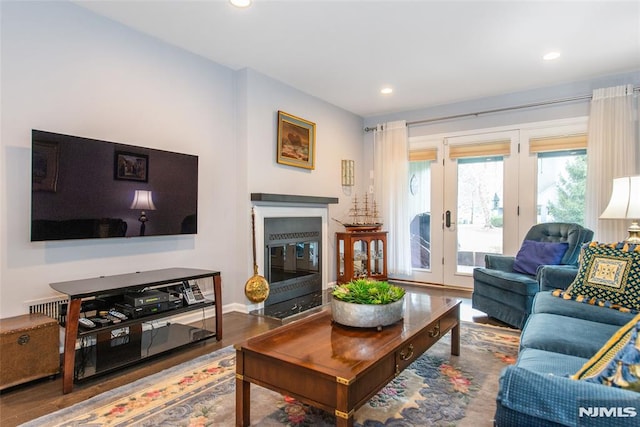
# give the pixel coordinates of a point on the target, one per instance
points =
(295, 308)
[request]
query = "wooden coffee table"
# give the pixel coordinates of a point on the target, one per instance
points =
(338, 368)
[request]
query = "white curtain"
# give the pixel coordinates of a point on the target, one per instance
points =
(612, 152)
(391, 165)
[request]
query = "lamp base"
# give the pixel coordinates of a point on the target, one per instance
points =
(143, 219)
(634, 233)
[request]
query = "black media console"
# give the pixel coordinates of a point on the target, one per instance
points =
(147, 299)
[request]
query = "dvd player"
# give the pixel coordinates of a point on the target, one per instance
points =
(152, 297)
(147, 309)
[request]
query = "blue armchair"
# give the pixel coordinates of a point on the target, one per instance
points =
(506, 294)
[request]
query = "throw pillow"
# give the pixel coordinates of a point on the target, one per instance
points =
(533, 254)
(617, 363)
(608, 275)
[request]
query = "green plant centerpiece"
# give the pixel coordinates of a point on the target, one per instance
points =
(366, 303)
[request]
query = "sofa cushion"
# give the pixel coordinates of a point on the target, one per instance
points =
(617, 364)
(609, 276)
(545, 302)
(548, 362)
(565, 335)
(533, 254)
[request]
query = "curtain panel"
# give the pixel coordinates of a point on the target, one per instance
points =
(612, 149)
(391, 171)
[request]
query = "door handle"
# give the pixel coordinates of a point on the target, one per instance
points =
(447, 219)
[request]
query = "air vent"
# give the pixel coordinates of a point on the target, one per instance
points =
(51, 307)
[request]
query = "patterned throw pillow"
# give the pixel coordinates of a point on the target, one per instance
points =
(609, 276)
(617, 363)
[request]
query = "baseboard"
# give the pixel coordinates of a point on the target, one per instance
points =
(242, 308)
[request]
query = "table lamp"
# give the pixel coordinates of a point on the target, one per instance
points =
(625, 204)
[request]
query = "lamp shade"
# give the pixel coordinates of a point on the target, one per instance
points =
(143, 200)
(625, 199)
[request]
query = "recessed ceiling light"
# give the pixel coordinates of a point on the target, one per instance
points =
(386, 90)
(240, 3)
(551, 56)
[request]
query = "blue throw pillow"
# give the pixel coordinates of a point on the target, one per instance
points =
(533, 254)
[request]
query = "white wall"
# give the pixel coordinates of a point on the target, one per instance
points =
(64, 69)
(338, 136)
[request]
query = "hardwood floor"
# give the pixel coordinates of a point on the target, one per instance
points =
(29, 401)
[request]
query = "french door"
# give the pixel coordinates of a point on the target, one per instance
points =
(474, 194)
(480, 201)
(467, 205)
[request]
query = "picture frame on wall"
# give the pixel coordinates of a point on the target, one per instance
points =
(131, 166)
(296, 141)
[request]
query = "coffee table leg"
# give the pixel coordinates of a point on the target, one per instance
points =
(344, 417)
(243, 393)
(455, 336)
(243, 402)
(344, 422)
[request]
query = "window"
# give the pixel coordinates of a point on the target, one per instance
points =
(480, 210)
(420, 213)
(562, 178)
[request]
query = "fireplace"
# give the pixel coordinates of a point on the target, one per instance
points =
(293, 260)
(292, 241)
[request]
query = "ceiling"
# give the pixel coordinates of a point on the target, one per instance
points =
(430, 52)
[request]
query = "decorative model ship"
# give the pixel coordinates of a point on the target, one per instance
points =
(363, 218)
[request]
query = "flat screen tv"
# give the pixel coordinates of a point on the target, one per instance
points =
(85, 188)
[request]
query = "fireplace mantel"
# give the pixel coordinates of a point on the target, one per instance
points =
(292, 198)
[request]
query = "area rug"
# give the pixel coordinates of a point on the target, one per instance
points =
(436, 390)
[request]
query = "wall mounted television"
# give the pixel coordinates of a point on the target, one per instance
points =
(85, 188)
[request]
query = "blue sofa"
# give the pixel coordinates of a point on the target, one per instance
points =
(559, 337)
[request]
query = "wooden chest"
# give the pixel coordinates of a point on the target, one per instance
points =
(29, 349)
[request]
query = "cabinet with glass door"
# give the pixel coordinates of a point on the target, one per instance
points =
(361, 255)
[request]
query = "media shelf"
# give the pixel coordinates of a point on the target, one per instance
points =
(108, 349)
(147, 318)
(146, 333)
